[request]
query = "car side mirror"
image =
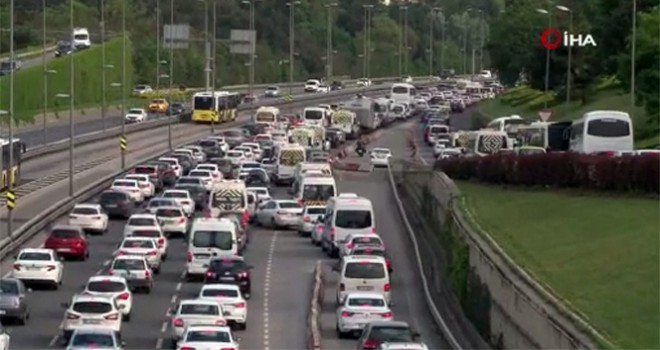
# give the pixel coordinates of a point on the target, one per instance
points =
(65, 305)
(416, 335)
(321, 218)
(61, 258)
(123, 344)
(29, 290)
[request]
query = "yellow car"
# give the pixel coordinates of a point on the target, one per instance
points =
(158, 105)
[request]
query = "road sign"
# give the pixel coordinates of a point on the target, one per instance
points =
(242, 41)
(123, 143)
(288, 98)
(176, 36)
(545, 114)
(11, 200)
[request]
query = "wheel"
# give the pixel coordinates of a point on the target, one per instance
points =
(157, 270)
(21, 320)
(164, 256)
(241, 326)
(147, 290)
(190, 278)
(56, 285)
(126, 318)
(272, 223)
(340, 334)
(173, 343)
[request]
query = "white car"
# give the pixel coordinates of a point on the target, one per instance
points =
(380, 157)
(113, 287)
(255, 147)
(407, 79)
(312, 85)
(154, 233)
(198, 153)
(195, 311)
(142, 89)
(247, 152)
(213, 168)
(135, 269)
(140, 221)
(323, 88)
(136, 115)
(207, 178)
(5, 339)
(362, 239)
(364, 82)
(89, 338)
(89, 217)
(131, 187)
(147, 187)
(173, 220)
(278, 213)
(450, 153)
(224, 147)
(183, 198)
(235, 156)
(174, 163)
(358, 309)
(207, 337)
(39, 266)
(90, 312)
(234, 306)
(142, 246)
(309, 218)
(160, 202)
(402, 346)
(262, 193)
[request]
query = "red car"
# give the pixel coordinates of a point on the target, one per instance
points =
(68, 241)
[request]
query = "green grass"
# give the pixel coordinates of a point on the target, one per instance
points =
(28, 82)
(35, 48)
(599, 254)
(607, 96)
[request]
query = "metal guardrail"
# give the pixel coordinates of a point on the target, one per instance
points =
(96, 136)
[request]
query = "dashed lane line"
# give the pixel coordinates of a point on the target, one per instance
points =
(166, 323)
(269, 268)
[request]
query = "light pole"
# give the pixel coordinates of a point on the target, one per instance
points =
(10, 184)
(292, 36)
(47, 72)
(466, 33)
(71, 137)
(207, 46)
(157, 48)
(104, 66)
(71, 97)
(171, 63)
(402, 9)
(253, 45)
(214, 74)
(329, 50)
(473, 43)
(405, 41)
(570, 54)
(442, 48)
(44, 68)
(367, 40)
(547, 57)
(434, 13)
(633, 45)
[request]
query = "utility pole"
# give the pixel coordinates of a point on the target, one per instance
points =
(633, 45)
(442, 48)
(103, 65)
(71, 99)
(434, 12)
(364, 43)
(368, 57)
(330, 51)
(405, 40)
(12, 58)
(169, 125)
(44, 69)
(123, 81)
(401, 9)
(292, 36)
(214, 53)
(157, 48)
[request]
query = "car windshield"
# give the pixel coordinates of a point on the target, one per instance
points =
(85, 211)
(313, 115)
(125, 184)
(199, 309)
(391, 334)
(364, 270)
(227, 264)
(63, 234)
(146, 233)
(80, 36)
(190, 180)
(169, 213)
(176, 194)
(34, 256)
(213, 239)
(8, 287)
(146, 170)
(289, 205)
(92, 307)
(138, 243)
(93, 340)
(161, 203)
(112, 197)
(141, 222)
(234, 154)
(106, 286)
(364, 302)
(366, 240)
(135, 111)
(208, 337)
(368, 251)
(219, 292)
(208, 143)
(353, 219)
(318, 192)
(315, 211)
(128, 264)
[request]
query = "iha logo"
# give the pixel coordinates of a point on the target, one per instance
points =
(551, 38)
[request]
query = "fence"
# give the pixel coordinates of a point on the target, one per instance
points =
(497, 299)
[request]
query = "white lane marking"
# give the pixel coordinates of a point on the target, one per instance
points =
(173, 299)
(168, 312)
(269, 268)
(183, 274)
(99, 271)
(159, 343)
(107, 262)
(54, 341)
(163, 328)
(178, 287)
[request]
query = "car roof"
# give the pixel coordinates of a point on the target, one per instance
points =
(229, 257)
(95, 298)
(365, 295)
(132, 238)
(37, 250)
(124, 180)
(222, 286)
(389, 323)
(358, 258)
(89, 330)
(143, 216)
(66, 227)
(203, 327)
(108, 278)
(130, 257)
(170, 207)
(87, 205)
(178, 191)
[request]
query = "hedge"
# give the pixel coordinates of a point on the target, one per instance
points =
(639, 174)
(28, 82)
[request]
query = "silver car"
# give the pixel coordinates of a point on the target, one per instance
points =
(160, 202)
(279, 213)
(13, 301)
(88, 338)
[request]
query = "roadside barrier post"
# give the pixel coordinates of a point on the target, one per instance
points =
(123, 144)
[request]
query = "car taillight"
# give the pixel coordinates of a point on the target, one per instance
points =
(110, 273)
(242, 274)
(239, 305)
(245, 217)
(181, 220)
(220, 322)
(152, 253)
(346, 314)
(121, 252)
(189, 257)
(301, 202)
(282, 212)
(307, 219)
(178, 322)
(97, 217)
(369, 344)
(373, 230)
(342, 287)
(147, 274)
(50, 267)
(123, 296)
(186, 348)
(135, 191)
(112, 317)
(388, 263)
(185, 202)
(227, 349)
(70, 316)
(207, 213)
(161, 242)
(350, 245)
(319, 228)
(209, 274)
(17, 267)
(386, 287)
(386, 315)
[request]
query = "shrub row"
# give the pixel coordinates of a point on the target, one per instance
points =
(639, 174)
(88, 88)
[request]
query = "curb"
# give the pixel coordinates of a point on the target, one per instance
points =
(314, 319)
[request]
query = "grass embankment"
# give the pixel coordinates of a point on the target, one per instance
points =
(600, 254)
(28, 82)
(527, 102)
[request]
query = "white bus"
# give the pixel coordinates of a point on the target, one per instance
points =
(602, 131)
(553, 136)
(266, 115)
(487, 142)
(509, 125)
(403, 93)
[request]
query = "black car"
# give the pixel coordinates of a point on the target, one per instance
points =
(211, 148)
(169, 175)
(185, 162)
(224, 166)
(198, 194)
(336, 85)
(117, 204)
(375, 251)
(64, 49)
(230, 269)
(378, 332)
(336, 137)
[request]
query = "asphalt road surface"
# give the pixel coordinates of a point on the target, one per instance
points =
(60, 132)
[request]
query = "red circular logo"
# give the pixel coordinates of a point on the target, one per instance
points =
(551, 38)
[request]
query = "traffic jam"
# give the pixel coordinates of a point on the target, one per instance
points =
(210, 195)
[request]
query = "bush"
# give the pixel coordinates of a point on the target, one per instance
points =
(28, 82)
(638, 174)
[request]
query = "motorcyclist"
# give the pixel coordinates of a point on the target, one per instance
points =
(361, 146)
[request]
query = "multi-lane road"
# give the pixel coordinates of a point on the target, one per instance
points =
(283, 265)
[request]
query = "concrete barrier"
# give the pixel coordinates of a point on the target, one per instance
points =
(314, 318)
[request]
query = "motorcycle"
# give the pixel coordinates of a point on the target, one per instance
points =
(360, 151)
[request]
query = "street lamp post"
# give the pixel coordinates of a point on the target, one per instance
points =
(171, 74)
(157, 48)
(329, 50)
(434, 12)
(547, 57)
(405, 41)
(253, 52)
(292, 35)
(442, 35)
(10, 184)
(207, 46)
(402, 9)
(47, 72)
(570, 55)
(367, 38)
(633, 45)
(44, 68)
(104, 66)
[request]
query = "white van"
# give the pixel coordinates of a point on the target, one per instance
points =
(81, 38)
(287, 158)
(363, 273)
(303, 168)
(345, 214)
(209, 237)
(315, 188)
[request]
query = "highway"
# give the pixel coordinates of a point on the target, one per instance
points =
(285, 258)
(92, 123)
